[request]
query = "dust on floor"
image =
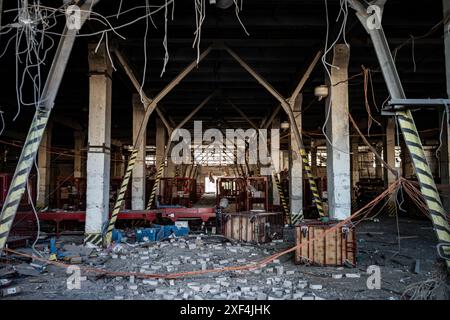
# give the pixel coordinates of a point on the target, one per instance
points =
(401, 264)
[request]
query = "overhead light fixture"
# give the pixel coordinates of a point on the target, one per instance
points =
(285, 125)
(321, 92)
(222, 4)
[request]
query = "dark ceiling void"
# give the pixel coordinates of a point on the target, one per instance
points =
(283, 38)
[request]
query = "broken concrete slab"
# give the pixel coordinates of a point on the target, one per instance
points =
(315, 286)
(353, 275)
(27, 270)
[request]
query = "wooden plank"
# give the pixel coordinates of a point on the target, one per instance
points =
(328, 248)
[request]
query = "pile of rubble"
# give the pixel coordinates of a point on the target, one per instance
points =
(180, 255)
(130, 269)
(274, 281)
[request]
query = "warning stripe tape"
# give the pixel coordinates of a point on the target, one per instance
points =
(354, 204)
(426, 181)
(297, 218)
(155, 185)
(391, 207)
(20, 178)
(121, 196)
(282, 198)
(312, 183)
(94, 238)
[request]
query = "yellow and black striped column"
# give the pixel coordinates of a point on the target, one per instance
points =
(20, 178)
(409, 131)
(426, 181)
(354, 205)
(37, 127)
(296, 218)
(284, 205)
(156, 184)
(312, 183)
(120, 196)
(391, 207)
(94, 238)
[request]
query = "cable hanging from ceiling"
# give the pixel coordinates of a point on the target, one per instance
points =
(32, 34)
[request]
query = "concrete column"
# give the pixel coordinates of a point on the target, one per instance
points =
(44, 167)
(78, 164)
(444, 167)
(378, 165)
(171, 167)
(99, 140)
(285, 159)
(275, 193)
(338, 152)
(354, 148)
(138, 175)
(355, 160)
(389, 151)
(296, 164)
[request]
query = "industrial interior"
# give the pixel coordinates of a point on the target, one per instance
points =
(225, 150)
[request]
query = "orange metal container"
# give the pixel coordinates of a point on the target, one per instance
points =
(317, 245)
(252, 227)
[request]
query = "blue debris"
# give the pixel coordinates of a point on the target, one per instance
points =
(54, 250)
(159, 232)
(149, 233)
(117, 236)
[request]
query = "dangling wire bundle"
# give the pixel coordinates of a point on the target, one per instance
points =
(237, 9)
(370, 118)
(344, 12)
(200, 15)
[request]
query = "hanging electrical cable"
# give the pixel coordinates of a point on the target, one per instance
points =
(370, 118)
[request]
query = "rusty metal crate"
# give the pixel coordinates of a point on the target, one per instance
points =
(255, 227)
(324, 244)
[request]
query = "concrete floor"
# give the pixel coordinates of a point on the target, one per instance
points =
(377, 245)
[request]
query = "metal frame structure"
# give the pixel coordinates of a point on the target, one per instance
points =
(38, 125)
(173, 214)
(150, 106)
(234, 190)
(408, 128)
(405, 104)
(169, 186)
(262, 186)
(169, 144)
(41, 118)
(287, 105)
(276, 180)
